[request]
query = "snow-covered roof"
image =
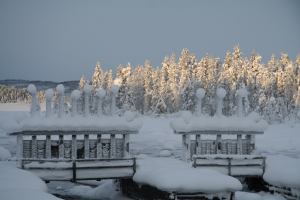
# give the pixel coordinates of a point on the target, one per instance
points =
(188, 123)
(74, 123)
(70, 125)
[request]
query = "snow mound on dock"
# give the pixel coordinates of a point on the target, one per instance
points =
(169, 174)
(281, 174)
(4, 154)
(16, 184)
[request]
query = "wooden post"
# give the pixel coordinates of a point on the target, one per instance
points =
(229, 148)
(219, 144)
(19, 150)
(48, 146)
(198, 144)
(186, 148)
(86, 147)
(61, 146)
(99, 146)
(252, 144)
(34, 147)
(239, 145)
(74, 147)
(126, 138)
(74, 172)
(229, 166)
(112, 146)
(207, 147)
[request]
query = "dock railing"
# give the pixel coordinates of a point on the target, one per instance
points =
(80, 169)
(237, 166)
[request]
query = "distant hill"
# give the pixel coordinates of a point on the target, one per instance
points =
(41, 85)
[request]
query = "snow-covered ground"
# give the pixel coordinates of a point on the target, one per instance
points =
(280, 143)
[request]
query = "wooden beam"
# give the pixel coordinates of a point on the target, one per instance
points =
(126, 138)
(74, 147)
(219, 144)
(34, 147)
(86, 147)
(61, 146)
(99, 146)
(112, 146)
(198, 144)
(239, 150)
(48, 147)
(19, 150)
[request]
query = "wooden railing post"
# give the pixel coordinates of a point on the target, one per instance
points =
(48, 146)
(252, 143)
(239, 145)
(207, 147)
(126, 138)
(86, 147)
(186, 148)
(99, 146)
(219, 144)
(74, 147)
(34, 147)
(229, 148)
(61, 147)
(112, 146)
(198, 144)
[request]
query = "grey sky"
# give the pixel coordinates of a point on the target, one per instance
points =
(63, 40)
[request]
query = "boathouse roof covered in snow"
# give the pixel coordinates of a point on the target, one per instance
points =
(73, 123)
(219, 124)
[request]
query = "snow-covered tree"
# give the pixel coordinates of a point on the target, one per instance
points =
(148, 86)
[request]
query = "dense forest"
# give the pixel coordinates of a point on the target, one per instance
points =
(273, 88)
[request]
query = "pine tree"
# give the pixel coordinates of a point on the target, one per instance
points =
(173, 93)
(148, 86)
(290, 86)
(80, 103)
(158, 105)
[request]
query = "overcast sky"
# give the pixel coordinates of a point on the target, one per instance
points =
(62, 40)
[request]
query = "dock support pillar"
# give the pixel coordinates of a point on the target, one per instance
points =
(19, 150)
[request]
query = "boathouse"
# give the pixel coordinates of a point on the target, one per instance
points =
(224, 155)
(74, 147)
